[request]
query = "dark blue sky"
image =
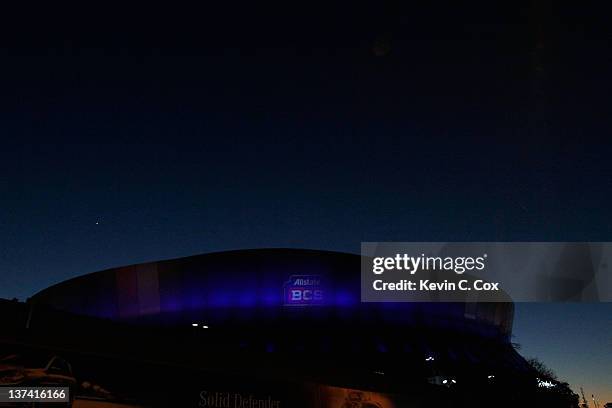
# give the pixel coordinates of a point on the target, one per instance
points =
(152, 134)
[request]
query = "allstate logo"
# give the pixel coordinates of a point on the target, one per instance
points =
(304, 290)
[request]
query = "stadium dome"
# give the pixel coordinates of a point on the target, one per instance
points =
(286, 299)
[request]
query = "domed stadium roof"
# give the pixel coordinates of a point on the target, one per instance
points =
(266, 285)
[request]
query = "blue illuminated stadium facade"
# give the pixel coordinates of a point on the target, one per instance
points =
(289, 300)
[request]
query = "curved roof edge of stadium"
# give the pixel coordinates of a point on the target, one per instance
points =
(251, 283)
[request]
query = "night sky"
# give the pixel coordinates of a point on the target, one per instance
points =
(144, 134)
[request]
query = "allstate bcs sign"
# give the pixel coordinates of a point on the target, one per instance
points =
(304, 290)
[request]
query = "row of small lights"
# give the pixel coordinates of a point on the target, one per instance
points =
(431, 358)
(541, 383)
(197, 325)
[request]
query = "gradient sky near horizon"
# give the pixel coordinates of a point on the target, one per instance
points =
(574, 340)
(158, 133)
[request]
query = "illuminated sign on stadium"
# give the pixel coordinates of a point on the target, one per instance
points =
(304, 290)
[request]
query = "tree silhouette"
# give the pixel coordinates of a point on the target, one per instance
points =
(543, 371)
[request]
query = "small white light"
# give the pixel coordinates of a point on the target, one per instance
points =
(454, 382)
(490, 376)
(546, 384)
(194, 324)
(204, 327)
(430, 358)
(444, 381)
